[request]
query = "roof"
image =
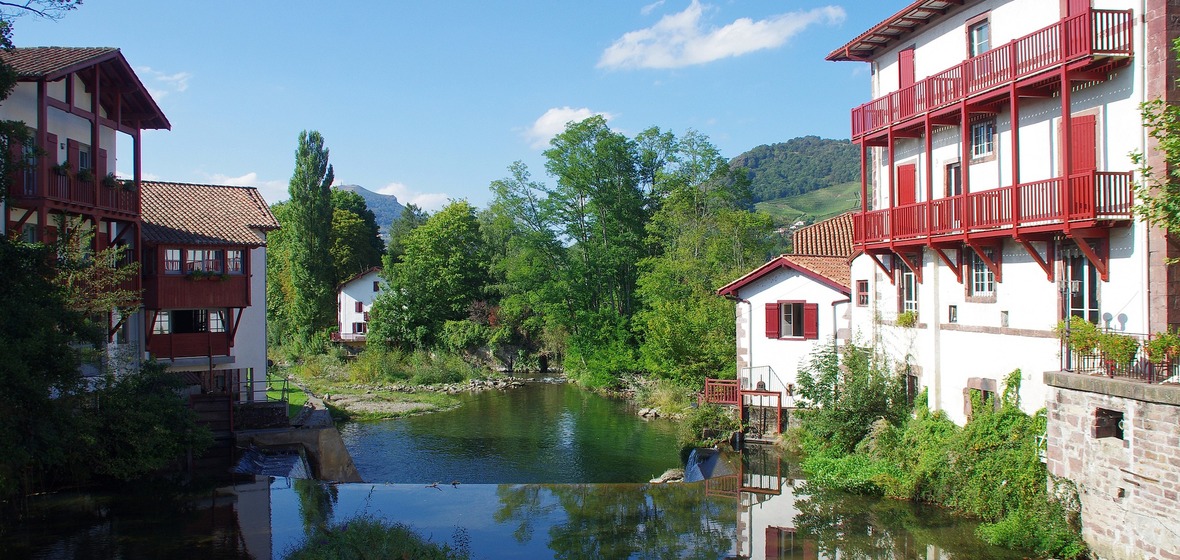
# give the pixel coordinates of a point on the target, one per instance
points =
(829, 238)
(358, 276)
(135, 106)
(190, 214)
(906, 21)
(833, 272)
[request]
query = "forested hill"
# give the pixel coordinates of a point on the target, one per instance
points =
(798, 166)
(384, 206)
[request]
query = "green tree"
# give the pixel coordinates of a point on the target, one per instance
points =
(373, 246)
(351, 251)
(310, 212)
(1159, 189)
(442, 272)
(279, 291)
(412, 216)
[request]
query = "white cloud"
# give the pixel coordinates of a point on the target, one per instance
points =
(682, 39)
(651, 7)
(161, 84)
(272, 190)
(431, 202)
(553, 123)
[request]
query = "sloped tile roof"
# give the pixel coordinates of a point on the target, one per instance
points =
(189, 214)
(39, 62)
(833, 272)
(835, 269)
(829, 238)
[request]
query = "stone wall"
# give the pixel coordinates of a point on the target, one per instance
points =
(1127, 472)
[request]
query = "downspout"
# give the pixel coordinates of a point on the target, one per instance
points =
(835, 327)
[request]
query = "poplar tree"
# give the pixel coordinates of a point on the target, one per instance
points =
(310, 212)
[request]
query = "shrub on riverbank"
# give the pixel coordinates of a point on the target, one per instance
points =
(368, 537)
(990, 468)
(708, 424)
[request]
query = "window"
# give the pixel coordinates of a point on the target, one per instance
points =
(862, 293)
(979, 36)
(233, 262)
(171, 261)
(1107, 424)
(366, 316)
(84, 161)
(360, 307)
(376, 286)
(188, 321)
(162, 325)
(792, 319)
(1082, 279)
(952, 314)
(954, 180)
(29, 153)
(206, 260)
(217, 320)
(907, 288)
(360, 328)
(982, 279)
(983, 142)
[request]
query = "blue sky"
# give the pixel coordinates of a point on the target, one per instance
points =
(433, 100)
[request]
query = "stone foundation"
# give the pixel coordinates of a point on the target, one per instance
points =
(1119, 442)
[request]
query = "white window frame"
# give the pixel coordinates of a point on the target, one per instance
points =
(983, 280)
(983, 139)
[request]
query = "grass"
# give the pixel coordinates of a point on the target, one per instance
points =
(818, 205)
(278, 389)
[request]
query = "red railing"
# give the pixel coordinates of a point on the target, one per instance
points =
(1095, 32)
(1095, 195)
(721, 391)
(67, 188)
(1141, 367)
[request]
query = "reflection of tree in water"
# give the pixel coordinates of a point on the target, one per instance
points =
(865, 528)
(316, 500)
(624, 520)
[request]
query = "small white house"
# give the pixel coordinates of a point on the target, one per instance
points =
(354, 300)
(785, 309)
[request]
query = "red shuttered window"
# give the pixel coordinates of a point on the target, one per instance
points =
(792, 320)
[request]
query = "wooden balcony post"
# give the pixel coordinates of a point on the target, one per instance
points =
(927, 130)
(892, 198)
(1014, 110)
(965, 165)
(1066, 150)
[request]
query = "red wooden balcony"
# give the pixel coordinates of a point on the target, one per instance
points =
(188, 345)
(1090, 34)
(1043, 205)
(168, 291)
(68, 190)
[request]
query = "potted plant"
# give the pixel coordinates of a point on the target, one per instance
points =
(1162, 347)
(129, 185)
(62, 169)
(1079, 335)
(1118, 350)
(110, 181)
(907, 319)
(195, 275)
(85, 175)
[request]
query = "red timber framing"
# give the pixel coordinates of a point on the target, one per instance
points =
(1082, 203)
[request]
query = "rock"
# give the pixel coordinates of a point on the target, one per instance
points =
(670, 475)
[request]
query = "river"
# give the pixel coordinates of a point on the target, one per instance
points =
(544, 471)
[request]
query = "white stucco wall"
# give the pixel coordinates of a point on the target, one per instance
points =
(980, 344)
(22, 106)
(359, 289)
(777, 361)
(249, 350)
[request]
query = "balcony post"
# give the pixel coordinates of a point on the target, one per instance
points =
(1066, 150)
(927, 129)
(892, 198)
(1014, 110)
(965, 165)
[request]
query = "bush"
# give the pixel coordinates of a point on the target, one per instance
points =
(708, 418)
(367, 537)
(848, 390)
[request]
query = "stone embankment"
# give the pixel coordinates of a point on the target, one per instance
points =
(371, 399)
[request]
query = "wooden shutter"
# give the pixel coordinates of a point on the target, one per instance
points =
(72, 149)
(907, 184)
(772, 320)
(1084, 143)
(810, 320)
(905, 65)
(51, 148)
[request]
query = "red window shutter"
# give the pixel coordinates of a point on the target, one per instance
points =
(72, 149)
(772, 320)
(51, 147)
(360, 307)
(810, 320)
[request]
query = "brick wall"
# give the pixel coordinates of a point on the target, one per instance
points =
(1162, 23)
(1128, 486)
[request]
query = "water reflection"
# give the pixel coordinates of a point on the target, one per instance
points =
(764, 510)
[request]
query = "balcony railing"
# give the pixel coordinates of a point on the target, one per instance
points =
(69, 189)
(720, 391)
(1095, 195)
(1139, 368)
(1094, 32)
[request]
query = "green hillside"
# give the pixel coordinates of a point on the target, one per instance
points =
(813, 206)
(798, 166)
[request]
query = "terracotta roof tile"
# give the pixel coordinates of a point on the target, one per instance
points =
(188, 214)
(829, 238)
(835, 269)
(37, 62)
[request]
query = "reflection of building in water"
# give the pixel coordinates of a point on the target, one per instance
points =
(766, 512)
(252, 506)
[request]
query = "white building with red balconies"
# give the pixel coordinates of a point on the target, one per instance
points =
(997, 200)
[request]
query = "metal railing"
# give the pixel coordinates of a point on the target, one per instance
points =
(1141, 367)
